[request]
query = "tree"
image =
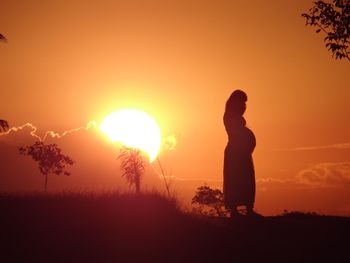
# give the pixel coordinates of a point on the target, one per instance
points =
(4, 126)
(209, 201)
(133, 166)
(334, 20)
(49, 158)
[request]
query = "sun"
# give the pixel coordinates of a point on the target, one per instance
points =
(135, 129)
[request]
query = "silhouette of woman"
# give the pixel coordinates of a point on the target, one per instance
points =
(239, 174)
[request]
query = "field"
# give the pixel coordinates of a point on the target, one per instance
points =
(114, 227)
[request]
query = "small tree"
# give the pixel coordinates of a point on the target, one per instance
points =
(334, 20)
(133, 166)
(4, 126)
(209, 201)
(49, 158)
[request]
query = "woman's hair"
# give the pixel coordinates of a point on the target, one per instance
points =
(236, 102)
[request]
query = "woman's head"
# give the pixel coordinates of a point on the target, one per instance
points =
(237, 102)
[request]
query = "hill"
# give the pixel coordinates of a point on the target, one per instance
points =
(113, 227)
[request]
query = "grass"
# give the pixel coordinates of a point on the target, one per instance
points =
(149, 227)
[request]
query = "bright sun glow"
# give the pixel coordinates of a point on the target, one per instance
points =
(133, 128)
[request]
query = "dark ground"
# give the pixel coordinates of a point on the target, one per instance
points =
(149, 228)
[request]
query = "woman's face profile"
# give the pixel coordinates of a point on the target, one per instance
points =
(237, 102)
(241, 108)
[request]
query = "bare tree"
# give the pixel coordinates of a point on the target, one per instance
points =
(133, 166)
(333, 19)
(49, 158)
(167, 186)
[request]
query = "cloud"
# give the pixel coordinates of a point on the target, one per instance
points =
(326, 174)
(52, 134)
(30, 130)
(25, 130)
(338, 146)
(272, 180)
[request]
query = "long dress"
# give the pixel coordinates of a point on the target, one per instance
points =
(239, 174)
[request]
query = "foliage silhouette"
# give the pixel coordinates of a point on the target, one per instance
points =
(49, 158)
(133, 166)
(334, 20)
(4, 126)
(209, 201)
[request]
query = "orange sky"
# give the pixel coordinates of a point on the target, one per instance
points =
(69, 62)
